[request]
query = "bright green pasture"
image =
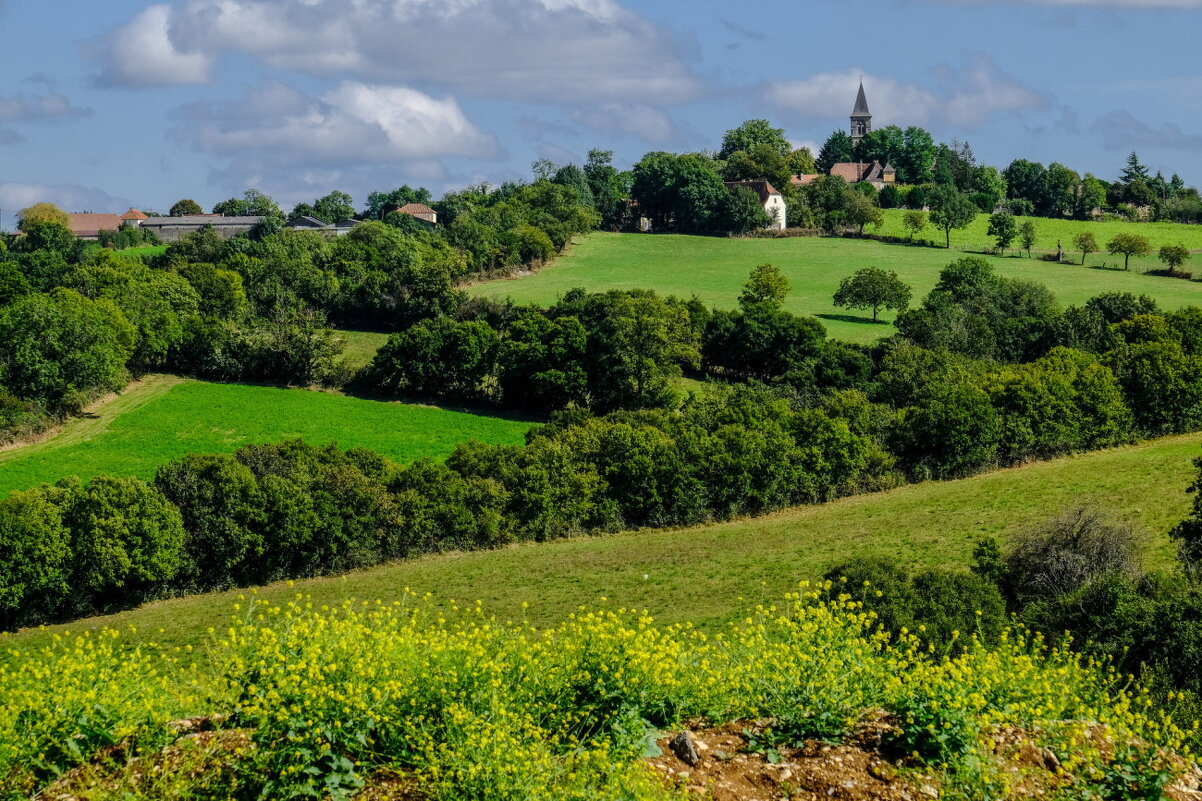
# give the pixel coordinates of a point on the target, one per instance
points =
(706, 573)
(1048, 232)
(715, 269)
(164, 417)
(359, 347)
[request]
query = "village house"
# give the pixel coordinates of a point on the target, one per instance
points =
(860, 172)
(420, 211)
(771, 199)
(170, 229)
(89, 226)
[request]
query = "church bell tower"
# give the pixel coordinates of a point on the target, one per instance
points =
(861, 117)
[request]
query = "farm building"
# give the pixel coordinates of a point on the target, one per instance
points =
(420, 211)
(170, 229)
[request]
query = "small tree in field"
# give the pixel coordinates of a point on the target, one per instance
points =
(766, 285)
(1174, 256)
(914, 221)
(873, 288)
(1026, 235)
(1085, 243)
(1003, 228)
(1128, 245)
(951, 209)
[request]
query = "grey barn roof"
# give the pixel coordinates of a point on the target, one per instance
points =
(200, 219)
(861, 109)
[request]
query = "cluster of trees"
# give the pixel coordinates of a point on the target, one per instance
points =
(291, 509)
(986, 371)
(1079, 573)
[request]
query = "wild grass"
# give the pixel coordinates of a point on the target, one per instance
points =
(715, 269)
(703, 574)
(164, 417)
(360, 347)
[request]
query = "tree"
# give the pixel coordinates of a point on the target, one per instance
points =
(1025, 181)
(1026, 233)
(1128, 245)
(914, 221)
(1003, 228)
(334, 207)
(801, 162)
(917, 161)
(837, 149)
(1134, 171)
(951, 209)
(873, 288)
(766, 285)
(42, 213)
(185, 207)
(1085, 243)
(752, 133)
(860, 211)
(1174, 256)
(885, 145)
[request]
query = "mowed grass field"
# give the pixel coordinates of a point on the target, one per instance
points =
(1049, 232)
(163, 417)
(715, 269)
(705, 574)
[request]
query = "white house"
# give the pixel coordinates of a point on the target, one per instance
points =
(774, 202)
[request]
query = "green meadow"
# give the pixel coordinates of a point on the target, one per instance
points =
(715, 269)
(706, 573)
(163, 417)
(1048, 232)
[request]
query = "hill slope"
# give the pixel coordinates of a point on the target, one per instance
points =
(700, 574)
(715, 269)
(164, 417)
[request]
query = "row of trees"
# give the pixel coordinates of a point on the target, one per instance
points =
(291, 509)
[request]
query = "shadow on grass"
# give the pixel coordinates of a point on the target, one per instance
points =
(851, 318)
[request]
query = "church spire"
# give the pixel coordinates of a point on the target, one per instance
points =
(861, 117)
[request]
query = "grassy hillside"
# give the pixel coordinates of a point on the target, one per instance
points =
(361, 347)
(1048, 232)
(715, 270)
(705, 574)
(163, 417)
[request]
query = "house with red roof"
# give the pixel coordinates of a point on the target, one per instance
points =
(421, 211)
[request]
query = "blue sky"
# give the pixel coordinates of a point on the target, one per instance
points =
(117, 103)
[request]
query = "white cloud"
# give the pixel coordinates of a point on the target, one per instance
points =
(70, 197)
(582, 50)
(1121, 130)
(963, 96)
(145, 52)
(23, 107)
(634, 119)
(355, 135)
(354, 123)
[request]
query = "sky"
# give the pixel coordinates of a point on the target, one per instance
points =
(106, 105)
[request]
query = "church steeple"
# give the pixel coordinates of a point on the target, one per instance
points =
(861, 117)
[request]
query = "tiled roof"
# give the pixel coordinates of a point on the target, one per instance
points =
(855, 172)
(804, 179)
(761, 188)
(415, 209)
(92, 224)
(134, 214)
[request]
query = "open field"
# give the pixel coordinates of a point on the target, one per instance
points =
(1048, 232)
(164, 417)
(715, 269)
(704, 574)
(361, 346)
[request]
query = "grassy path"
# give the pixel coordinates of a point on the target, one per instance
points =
(701, 574)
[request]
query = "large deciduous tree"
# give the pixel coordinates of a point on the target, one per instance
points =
(185, 207)
(41, 213)
(873, 288)
(751, 134)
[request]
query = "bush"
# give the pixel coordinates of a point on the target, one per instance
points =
(1064, 554)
